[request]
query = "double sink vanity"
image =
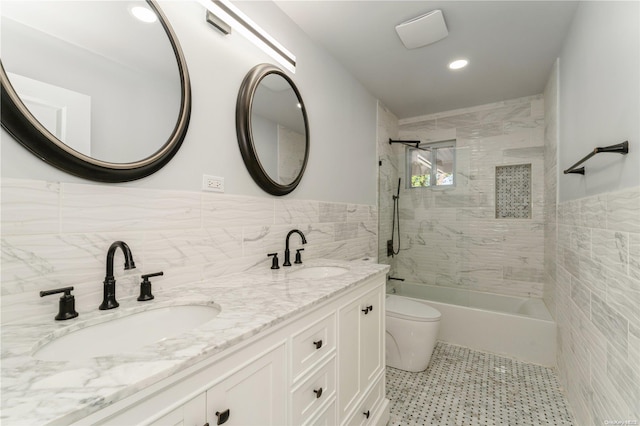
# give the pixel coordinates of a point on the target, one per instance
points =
(297, 345)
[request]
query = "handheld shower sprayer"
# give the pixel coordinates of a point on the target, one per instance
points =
(391, 251)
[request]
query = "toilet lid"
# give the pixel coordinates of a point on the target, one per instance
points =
(402, 307)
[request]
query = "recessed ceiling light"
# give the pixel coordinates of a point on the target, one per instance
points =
(144, 14)
(457, 64)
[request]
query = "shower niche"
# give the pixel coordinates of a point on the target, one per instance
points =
(513, 191)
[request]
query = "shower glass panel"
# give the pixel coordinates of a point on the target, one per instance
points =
(436, 201)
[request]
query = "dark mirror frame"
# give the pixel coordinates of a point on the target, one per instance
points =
(22, 125)
(245, 136)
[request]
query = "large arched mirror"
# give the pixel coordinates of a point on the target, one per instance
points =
(273, 131)
(99, 89)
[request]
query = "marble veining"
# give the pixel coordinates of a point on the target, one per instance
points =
(450, 236)
(39, 392)
(593, 291)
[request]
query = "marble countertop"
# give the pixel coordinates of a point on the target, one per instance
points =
(39, 392)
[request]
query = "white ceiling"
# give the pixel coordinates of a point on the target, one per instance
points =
(510, 45)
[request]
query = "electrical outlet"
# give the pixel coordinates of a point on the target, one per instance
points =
(212, 183)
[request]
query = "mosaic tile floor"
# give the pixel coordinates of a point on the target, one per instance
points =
(465, 387)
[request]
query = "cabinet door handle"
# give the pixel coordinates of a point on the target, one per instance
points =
(370, 307)
(318, 344)
(318, 392)
(222, 416)
(366, 414)
(206, 424)
(366, 310)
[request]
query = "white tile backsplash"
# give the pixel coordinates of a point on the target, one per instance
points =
(57, 234)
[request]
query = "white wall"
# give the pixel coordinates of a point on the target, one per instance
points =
(342, 114)
(600, 97)
(593, 280)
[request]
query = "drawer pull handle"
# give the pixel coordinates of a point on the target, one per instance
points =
(366, 310)
(318, 392)
(318, 344)
(206, 424)
(222, 416)
(366, 414)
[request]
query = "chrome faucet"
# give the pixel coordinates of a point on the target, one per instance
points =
(287, 254)
(109, 297)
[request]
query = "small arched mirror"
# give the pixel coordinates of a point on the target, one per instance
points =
(273, 131)
(99, 89)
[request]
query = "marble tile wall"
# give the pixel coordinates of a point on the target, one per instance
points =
(596, 299)
(450, 237)
(57, 234)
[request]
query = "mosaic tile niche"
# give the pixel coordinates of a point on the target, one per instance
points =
(513, 192)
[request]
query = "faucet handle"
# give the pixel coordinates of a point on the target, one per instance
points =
(67, 306)
(274, 262)
(298, 256)
(145, 286)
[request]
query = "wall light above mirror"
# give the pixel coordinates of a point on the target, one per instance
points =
(225, 12)
(95, 92)
(272, 128)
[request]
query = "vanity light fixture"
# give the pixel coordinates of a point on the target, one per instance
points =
(143, 14)
(231, 16)
(458, 64)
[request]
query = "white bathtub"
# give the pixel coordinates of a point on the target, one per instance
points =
(514, 326)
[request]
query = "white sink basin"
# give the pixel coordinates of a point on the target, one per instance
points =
(318, 272)
(126, 334)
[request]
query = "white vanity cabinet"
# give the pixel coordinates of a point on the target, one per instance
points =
(360, 354)
(324, 366)
(253, 395)
(191, 413)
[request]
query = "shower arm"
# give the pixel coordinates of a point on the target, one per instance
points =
(407, 143)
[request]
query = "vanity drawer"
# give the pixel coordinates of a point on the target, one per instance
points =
(367, 411)
(327, 416)
(314, 392)
(312, 344)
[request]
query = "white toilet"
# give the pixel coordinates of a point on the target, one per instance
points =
(412, 329)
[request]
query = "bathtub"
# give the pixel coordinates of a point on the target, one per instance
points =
(513, 326)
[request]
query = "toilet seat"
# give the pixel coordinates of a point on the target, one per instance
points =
(403, 308)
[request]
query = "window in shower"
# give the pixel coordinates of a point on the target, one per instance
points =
(432, 165)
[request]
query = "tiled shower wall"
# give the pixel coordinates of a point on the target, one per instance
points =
(57, 234)
(450, 237)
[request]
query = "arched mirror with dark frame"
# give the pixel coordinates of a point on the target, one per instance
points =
(273, 129)
(92, 89)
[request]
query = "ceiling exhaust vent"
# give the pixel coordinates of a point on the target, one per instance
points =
(423, 30)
